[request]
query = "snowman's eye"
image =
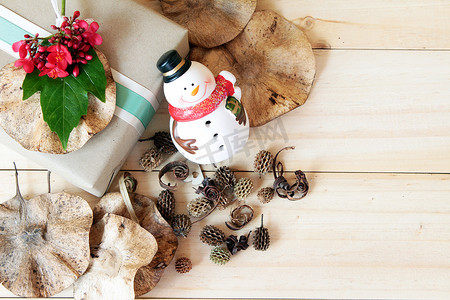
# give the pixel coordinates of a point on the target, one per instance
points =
(192, 84)
(184, 88)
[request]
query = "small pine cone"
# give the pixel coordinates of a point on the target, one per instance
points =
(183, 265)
(199, 207)
(164, 142)
(224, 201)
(243, 188)
(150, 159)
(181, 225)
(219, 256)
(225, 178)
(166, 205)
(263, 162)
(265, 195)
(212, 235)
(261, 238)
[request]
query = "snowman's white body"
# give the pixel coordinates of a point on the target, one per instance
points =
(218, 135)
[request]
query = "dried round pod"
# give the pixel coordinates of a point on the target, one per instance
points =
(243, 188)
(166, 204)
(261, 238)
(163, 142)
(119, 247)
(23, 120)
(199, 207)
(273, 62)
(181, 225)
(183, 265)
(220, 256)
(150, 219)
(150, 159)
(265, 195)
(263, 162)
(44, 243)
(212, 235)
(130, 182)
(210, 22)
(225, 178)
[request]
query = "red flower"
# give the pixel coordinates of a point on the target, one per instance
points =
(26, 63)
(53, 71)
(90, 34)
(59, 56)
(20, 47)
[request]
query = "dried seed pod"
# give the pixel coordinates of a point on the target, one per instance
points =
(130, 182)
(209, 189)
(183, 265)
(234, 246)
(163, 141)
(265, 195)
(261, 238)
(199, 207)
(150, 159)
(212, 235)
(243, 188)
(263, 162)
(181, 225)
(166, 205)
(219, 256)
(240, 216)
(225, 178)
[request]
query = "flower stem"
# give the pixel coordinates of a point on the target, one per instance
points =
(63, 7)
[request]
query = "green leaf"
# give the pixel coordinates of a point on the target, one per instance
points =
(65, 100)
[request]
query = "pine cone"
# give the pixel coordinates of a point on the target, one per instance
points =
(199, 207)
(219, 256)
(150, 159)
(224, 201)
(181, 225)
(261, 238)
(225, 178)
(243, 188)
(263, 162)
(265, 195)
(166, 205)
(164, 142)
(183, 265)
(212, 235)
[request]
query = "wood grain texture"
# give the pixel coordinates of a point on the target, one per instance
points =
(352, 236)
(374, 24)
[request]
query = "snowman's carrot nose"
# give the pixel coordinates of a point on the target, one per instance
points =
(195, 91)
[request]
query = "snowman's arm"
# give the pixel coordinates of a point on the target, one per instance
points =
(228, 76)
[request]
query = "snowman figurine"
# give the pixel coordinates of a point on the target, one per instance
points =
(208, 123)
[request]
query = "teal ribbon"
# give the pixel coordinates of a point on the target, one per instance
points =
(126, 99)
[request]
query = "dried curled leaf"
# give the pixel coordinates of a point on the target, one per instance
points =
(273, 62)
(145, 209)
(119, 247)
(44, 243)
(23, 121)
(210, 22)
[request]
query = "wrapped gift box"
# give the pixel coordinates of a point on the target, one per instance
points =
(134, 37)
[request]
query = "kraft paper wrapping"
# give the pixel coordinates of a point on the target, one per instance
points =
(134, 37)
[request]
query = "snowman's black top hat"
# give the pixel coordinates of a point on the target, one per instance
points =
(172, 65)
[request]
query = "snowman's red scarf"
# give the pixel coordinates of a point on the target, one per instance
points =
(224, 88)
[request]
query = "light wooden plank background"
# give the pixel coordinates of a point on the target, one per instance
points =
(374, 140)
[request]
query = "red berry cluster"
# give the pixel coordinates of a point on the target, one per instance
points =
(60, 53)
